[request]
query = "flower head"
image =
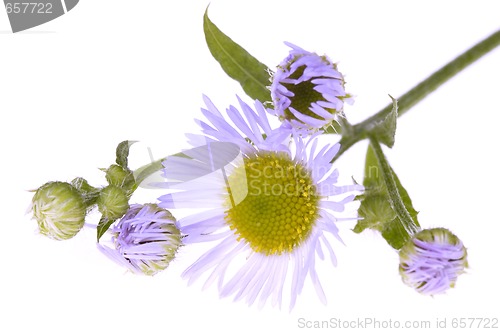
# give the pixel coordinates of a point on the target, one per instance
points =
(267, 205)
(59, 209)
(146, 239)
(307, 89)
(432, 261)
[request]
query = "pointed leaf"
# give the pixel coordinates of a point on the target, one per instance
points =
(237, 62)
(406, 198)
(385, 131)
(122, 151)
(376, 210)
(103, 226)
(394, 233)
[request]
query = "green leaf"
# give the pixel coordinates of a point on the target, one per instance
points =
(103, 226)
(385, 131)
(376, 210)
(122, 151)
(406, 199)
(237, 62)
(395, 233)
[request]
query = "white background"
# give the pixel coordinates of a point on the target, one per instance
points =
(107, 71)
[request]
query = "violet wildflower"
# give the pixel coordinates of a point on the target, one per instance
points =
(268, 216)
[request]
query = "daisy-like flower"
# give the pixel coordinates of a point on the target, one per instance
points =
(59, 209)
(267, 207)
(432, 261)
(307, 90)
(145, 240)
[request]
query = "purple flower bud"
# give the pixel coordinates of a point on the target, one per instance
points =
(145, 240)
(432, 261)
(307, 90)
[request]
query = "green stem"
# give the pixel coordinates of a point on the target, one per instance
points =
(362, 130)
(396, 201)
(434, 81)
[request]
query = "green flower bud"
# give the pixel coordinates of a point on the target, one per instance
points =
(120, 177)
(59, 210)
(112, 202)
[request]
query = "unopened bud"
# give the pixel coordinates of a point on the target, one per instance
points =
(432, 260)
(59, 209)
(120, 177)
(307, 90)
(112, 202)
(145, 240)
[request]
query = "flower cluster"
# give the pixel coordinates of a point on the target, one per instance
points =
(268, 192)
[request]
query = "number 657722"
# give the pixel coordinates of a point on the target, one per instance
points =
(28, 8)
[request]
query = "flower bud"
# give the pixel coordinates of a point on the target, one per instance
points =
(120, 177)
(145, 240)
(112, 202)
(307, 90)
(432, 260)
(59, 210)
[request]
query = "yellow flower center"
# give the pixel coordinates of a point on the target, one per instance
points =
(280, 204)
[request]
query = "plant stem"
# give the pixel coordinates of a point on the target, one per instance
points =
(396, 201)
(361, 130)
